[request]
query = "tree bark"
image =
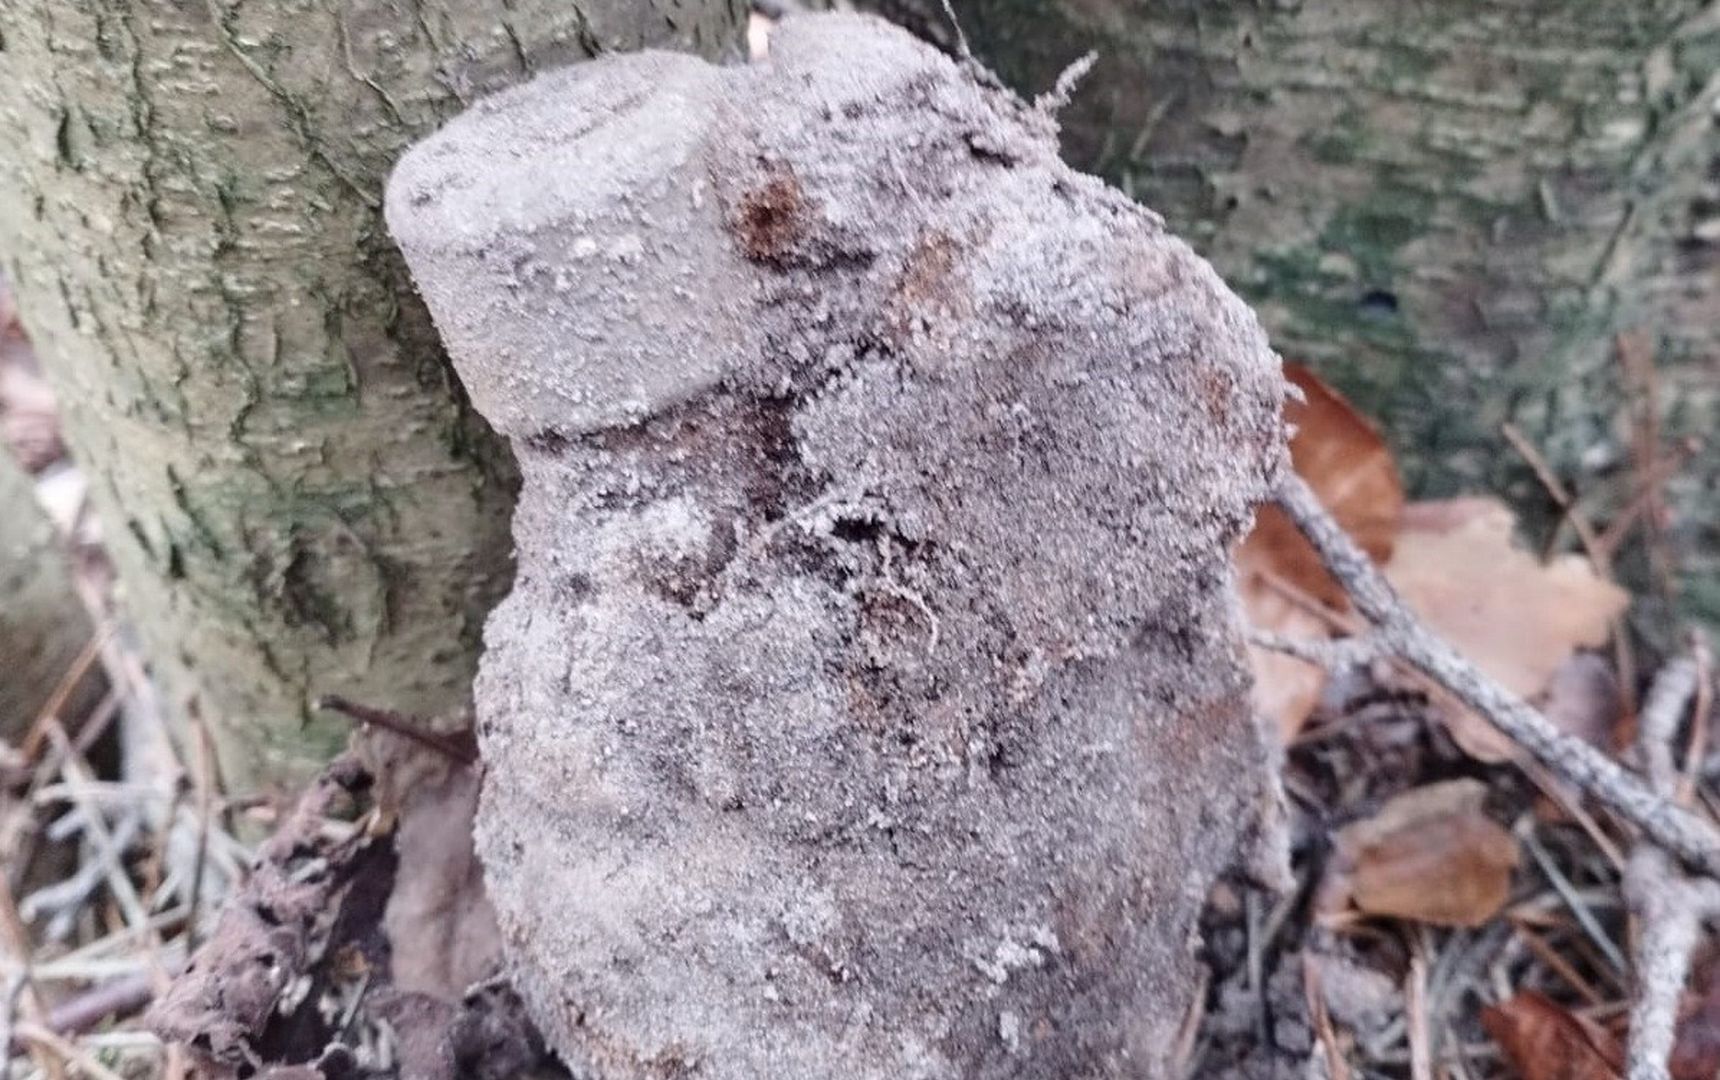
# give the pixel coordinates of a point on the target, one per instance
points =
(298, 499)
(43, 626)
(1449, 208)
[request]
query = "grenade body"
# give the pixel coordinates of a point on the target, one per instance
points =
(870, 701)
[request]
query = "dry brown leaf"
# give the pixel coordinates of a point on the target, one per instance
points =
(1430, 854)
(1343, 458)
(439, 922)
(235, 1007)
(1345, 461)
(1514, 616)
(1696, 1053)
(1696, 1050)
(1285, 689)
(1583, 698)
(1546, 1041)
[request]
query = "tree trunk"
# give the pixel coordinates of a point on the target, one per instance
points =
(298, 499)
(1450, 208)
(43, 626)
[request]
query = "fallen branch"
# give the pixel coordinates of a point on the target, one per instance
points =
(1403, 636)
(1657, 726)
(1668, 906)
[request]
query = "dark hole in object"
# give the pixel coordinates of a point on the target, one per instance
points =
(576, 588)
(857, 530)
(548, 441)
(140, 536)
(986, 152)
(1379, 303)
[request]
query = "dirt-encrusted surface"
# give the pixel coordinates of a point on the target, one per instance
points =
(870, 702)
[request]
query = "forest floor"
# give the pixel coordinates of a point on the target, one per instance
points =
(1457, 911)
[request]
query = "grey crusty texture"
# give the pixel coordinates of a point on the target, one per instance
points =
(870, 703)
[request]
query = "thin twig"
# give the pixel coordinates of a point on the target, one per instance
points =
(1557, 963)
(1308, 604)
(1573, 808)
(1667, 921)
(1594, 546)
(77, 774)
(62, 901)
(963, 52)
(26, 1000)
(1561, 496)
(1415, 995)
(204, 781)
(400, 724)
(1691, 838)
(116, 998)
(1579, 909)
(66, 1051)
(1182, 1054)
(1455, 1057)
(1696, 748)
(1618, 529)
(1337, 1068)
(34, 737)
(1636, 356)
(1334, 654)
(1057, 98)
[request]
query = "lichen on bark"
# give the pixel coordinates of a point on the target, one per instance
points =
(296, 495)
